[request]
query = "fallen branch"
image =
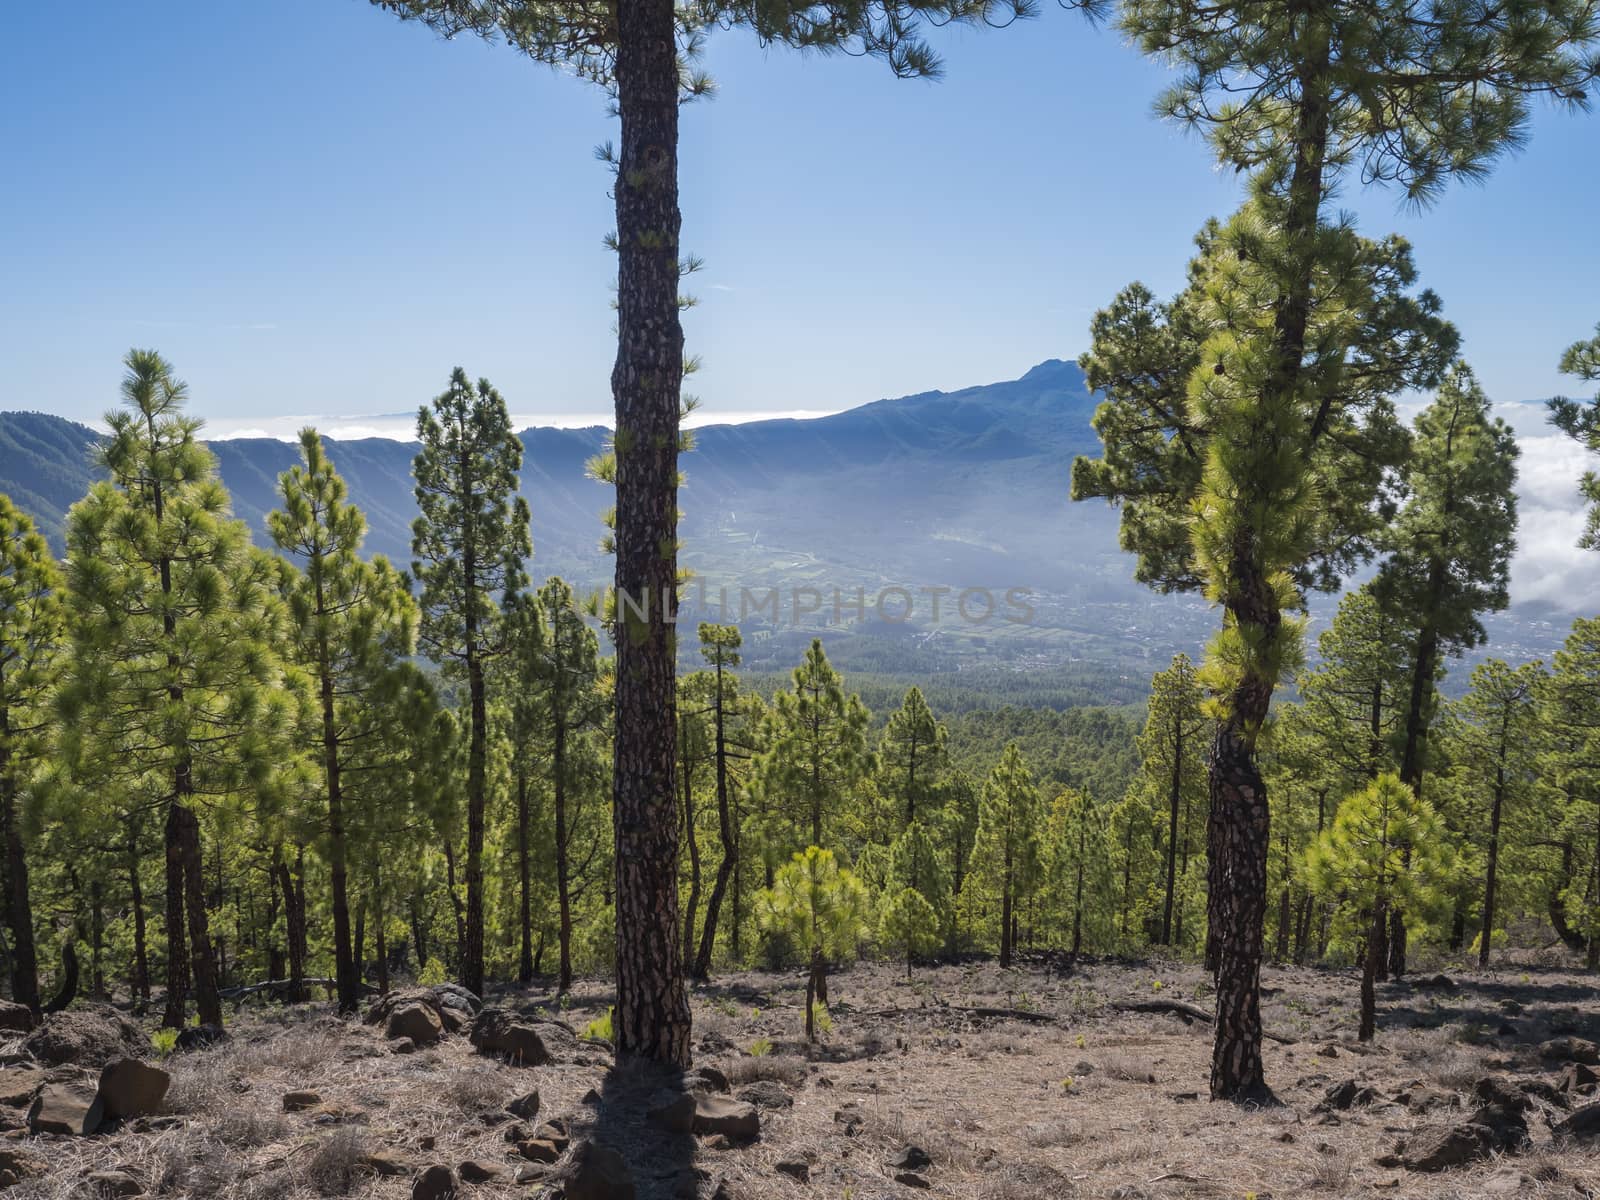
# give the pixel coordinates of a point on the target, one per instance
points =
(1189, 1013)
(1007, 1014)
(1176, 1008)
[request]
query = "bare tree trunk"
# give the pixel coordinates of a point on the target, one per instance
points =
(141, 950)
(176, 1012)
(652, 1014)
(692, 908)
(18, 902)
(202, 966)
(1369, 973)
(524, 883)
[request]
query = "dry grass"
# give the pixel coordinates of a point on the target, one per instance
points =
(783, 1068)
(902, 1066)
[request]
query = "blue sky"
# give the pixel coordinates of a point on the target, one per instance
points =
(313, 209)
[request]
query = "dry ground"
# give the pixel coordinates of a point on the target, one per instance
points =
(1092, 1101)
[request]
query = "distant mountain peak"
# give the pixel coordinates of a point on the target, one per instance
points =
(1053, 369)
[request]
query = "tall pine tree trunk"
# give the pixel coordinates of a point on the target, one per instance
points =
(347, 979)
(202, 964)
(692, 908)
(730, 850)
(1006, 910)
(1174, 799)
(175, 1013)
(558, 770)
(1239, 829)
(294, 923)
(141, 950)
(18, 902)
(524, 883)
(1417, 707)
(455, 901)
(652, 1013)
(1369, 973)
(276, 963)
(477, 790)
(1492, 866)
(1077, 893)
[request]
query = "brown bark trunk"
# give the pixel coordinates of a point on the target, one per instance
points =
(1369, 973)
(175, 1013)
(346, 974)
(524, 884)
(692, 908)
(652, 1014)
(1174, 799)
(1005, 911)
(558, 769)
(97, 940)
(294, 922)
(202, 966)
(276, 963)
(1491, 870)
(1077, 895)
(1238, 895)
(477, 789)
(141, 950)
(455, 901)
(730, 850)
(18, 901)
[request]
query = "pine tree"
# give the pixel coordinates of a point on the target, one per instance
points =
(1582, 424)
(638, 50)
(1077, 865)
(569, 702)
(174, 694)
(1170, 755)
(32, 631)
(1353, 703)
(821, 909)
(1449, 554)
(1007, 843)
(1571, 722)
(1276, 491)
(816, 750)
(352, 622)
(1384, 852)
(1246, 433)
(912, 759)
(1497, 734)
(469, 544)
(732, 744)
(909, 924)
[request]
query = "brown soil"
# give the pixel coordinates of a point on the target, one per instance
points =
(1066, 1096)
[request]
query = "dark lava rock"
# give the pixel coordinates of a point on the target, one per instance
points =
(597, 1172)
(130, 1088)
(1570, 1049)
(1347, 1095)
(495, 1031)
(437, 1182)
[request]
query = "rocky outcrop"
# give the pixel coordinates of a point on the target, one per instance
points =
(452, 1006)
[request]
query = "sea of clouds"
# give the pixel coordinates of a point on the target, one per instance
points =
(1548, 570)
